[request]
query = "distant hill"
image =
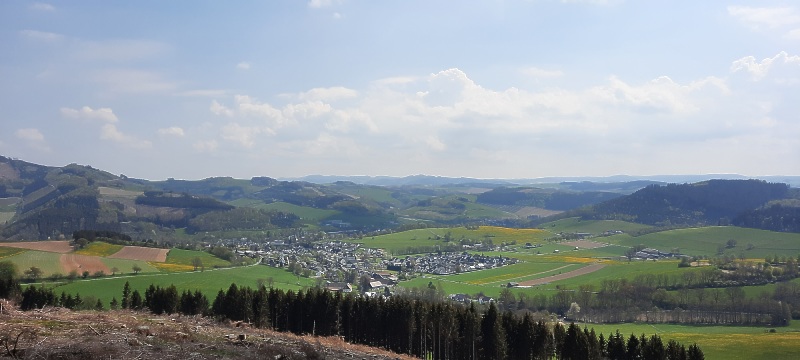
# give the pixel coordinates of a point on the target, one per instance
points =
(41, 202)
(712, 202)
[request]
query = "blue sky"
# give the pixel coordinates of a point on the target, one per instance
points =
(486, 89)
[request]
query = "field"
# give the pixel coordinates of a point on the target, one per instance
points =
(81, 263)
(572, 225)
(5, 216)
(209, 281)
(721, 342)
(706, 241)
(48, 262)
(99, 248)
(51, 246)
(9, 251)
(141, 253)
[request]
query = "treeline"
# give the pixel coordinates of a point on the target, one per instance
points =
(183, 201)
(103, 235)
(776, 217)
(242, 218)
(431, 330)
(547, 199)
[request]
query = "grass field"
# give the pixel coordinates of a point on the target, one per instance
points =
(6, 216)
(571, 225)
(721, 342)
(46, 261)
(209, 282)
(8, 252)
(99, 248)
(706, 240)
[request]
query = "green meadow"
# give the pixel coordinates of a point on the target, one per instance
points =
(48, 262)
(721, 342)
(304, 212)
(209, 281)
(572, 225)
(705, 241)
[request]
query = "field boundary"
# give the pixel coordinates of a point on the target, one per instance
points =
(567, 275)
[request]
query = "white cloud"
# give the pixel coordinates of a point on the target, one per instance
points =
(111, 133)
(87, 113)
(758, 70)
(318, 4)
(206, 146)
(219, 109)
(769, 17)
(243, 135)
(41, 35)
(328, 94)
(171, 131)
(29, 134)
(542, 73)
(243, 65)
(42, 7)
(33, 137)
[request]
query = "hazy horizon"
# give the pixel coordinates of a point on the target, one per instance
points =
(478, 89)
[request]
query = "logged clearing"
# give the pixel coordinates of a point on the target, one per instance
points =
(567, 275)
(585, 244)
(81, 263)
(61, 246)
(141, 253)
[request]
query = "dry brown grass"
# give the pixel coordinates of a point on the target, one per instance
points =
(141, 253)
(57, 333)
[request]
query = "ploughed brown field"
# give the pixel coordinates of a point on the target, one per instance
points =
(60, 246)
(141, 253)
(81, 263)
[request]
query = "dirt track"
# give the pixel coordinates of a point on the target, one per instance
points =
(570, 274)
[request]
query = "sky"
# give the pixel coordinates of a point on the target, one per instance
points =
(482, 89)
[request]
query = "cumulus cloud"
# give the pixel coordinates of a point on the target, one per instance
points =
(219, 109)
(242, 135)
(171, 131)
(759, 69)
(243, 65)
(33, 137)
(328, 94)
(31, 134)
(87, 113)
(111, 133)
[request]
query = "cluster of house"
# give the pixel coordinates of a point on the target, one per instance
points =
(466, 299)
(653, 254)
(447, 263)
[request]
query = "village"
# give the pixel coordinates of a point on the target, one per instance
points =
(340, 266)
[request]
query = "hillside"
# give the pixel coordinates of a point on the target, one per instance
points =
(713, 202)
(59, 333)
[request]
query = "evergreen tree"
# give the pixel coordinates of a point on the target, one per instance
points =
(492, 344)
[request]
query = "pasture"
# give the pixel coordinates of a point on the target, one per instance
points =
(573, 225)
(706, 241)
(48, 262)
(720, 342)
(209, 282)
(141, 253)
(304, 212)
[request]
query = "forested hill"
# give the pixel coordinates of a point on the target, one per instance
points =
(710, 202)
(543, 198)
